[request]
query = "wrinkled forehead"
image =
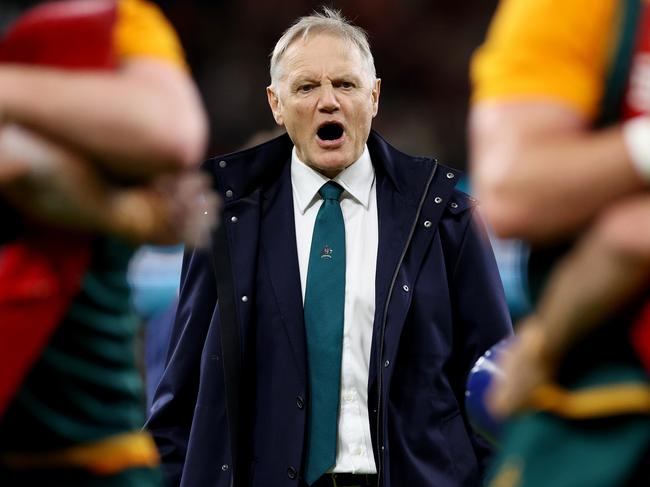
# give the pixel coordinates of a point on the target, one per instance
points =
(316, 50)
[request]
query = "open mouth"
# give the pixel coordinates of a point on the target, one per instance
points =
(330, 131)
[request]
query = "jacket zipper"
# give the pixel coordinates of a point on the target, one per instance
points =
(380, 373)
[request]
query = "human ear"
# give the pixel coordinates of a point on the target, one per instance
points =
(375, 96)
(275, 104)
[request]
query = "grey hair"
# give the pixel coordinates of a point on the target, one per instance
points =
(328, 21)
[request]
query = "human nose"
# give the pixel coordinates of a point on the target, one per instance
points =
(328, 102)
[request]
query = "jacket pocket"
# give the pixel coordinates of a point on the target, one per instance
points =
(460, 450)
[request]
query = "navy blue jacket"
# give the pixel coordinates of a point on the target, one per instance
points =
(439, 306)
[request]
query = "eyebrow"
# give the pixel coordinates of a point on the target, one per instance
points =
(313, 78)
(346, 77)
(304, 76)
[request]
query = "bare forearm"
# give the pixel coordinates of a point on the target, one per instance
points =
(546, 178)
(609, 266)
(138, 121)
(587, 288)
(57, 186)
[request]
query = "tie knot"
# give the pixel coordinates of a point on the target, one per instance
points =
(330, 191)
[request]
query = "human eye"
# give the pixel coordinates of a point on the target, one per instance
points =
(305, 87)
(345, 84)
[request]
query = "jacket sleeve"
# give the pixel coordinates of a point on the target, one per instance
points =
(480, 307)
(175, 398)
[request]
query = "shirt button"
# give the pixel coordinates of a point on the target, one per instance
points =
(300, 402)
(222, 164)
(348, 396)
(244, 299)
(437, 199)
(291, 473)
(454, 205)
(225, 467)
(229, 193)
(406, 288)
(234, 219)
(427, 224)
(386, 363)
(450, 175)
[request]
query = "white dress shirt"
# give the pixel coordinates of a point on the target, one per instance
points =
(359, 207)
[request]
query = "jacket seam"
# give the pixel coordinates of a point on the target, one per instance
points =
(461, 248)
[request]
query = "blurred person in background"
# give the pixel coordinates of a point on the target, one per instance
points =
(560, 137)
(154, 274)
(94, 158)
(326, 337)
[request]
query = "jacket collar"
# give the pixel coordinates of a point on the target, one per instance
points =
(356, 179)
(240, 173)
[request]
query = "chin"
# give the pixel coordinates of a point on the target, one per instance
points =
(330, 169)
(333, 163)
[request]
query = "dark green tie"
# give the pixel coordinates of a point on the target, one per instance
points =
(324, 302)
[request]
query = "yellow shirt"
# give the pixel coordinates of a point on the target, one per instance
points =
(143, 31)
(555, 49)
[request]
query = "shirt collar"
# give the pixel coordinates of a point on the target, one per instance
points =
(356, 179)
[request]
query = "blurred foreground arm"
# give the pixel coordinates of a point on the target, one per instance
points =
(540, 173)
(129, 104)
(540, 169)
(54, 185)
(144, 118)
(67, 155)
(612, 265)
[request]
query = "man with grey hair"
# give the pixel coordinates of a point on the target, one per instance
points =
(355, 291)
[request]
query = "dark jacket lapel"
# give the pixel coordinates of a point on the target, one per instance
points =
(278, 243)
(406, 187)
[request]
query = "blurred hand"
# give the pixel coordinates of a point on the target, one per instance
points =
(55, 185)
(49, 183)
(20, 152)
(173, 208)
(524, 368)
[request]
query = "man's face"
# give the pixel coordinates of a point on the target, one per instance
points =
(326, 100)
